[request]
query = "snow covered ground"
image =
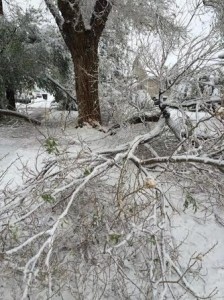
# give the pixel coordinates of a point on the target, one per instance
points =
(198, 236)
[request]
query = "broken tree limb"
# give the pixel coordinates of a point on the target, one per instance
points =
(192, 102)
(6, 112)
(185, 158)
(145, 117)
(63, 89)
(139, 140)
(138, 118)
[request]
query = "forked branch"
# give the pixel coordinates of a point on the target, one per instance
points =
(100, 14)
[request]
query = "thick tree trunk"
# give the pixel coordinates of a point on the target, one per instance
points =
(86, 63)
(10, 96)
(83, 44)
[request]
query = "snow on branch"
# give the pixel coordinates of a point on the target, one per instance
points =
(145, 138)
(57, 84)
(63, 192)
(52, 231)
(185, 158)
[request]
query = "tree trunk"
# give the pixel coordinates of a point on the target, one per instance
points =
(86, 63)
(1, 8)
(10, 96)
(83, 44)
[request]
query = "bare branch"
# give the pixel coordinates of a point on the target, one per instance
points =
(63, 89)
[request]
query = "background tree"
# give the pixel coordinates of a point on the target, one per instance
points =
(82, 24)
(29, 54)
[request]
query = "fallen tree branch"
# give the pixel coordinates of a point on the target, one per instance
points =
(177, 159)
(77, 176)
(145, 117)
(63, 89)
(141, 139)
(192, 102)
(138, 118)
(12, 113)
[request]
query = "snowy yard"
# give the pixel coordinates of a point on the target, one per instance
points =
(193, 232)
(112, 164)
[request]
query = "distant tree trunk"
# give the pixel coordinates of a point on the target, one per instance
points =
(1, 8)
(83, 45)
(10, 96)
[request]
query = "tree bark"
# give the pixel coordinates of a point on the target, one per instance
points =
(10, 96)
(86, 63)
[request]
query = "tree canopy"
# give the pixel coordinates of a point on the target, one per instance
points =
(29, 54)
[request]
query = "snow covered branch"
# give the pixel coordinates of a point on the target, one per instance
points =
(57, 84)
(185, 158)
(138, 140)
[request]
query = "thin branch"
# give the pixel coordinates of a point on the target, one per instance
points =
(63, 89)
